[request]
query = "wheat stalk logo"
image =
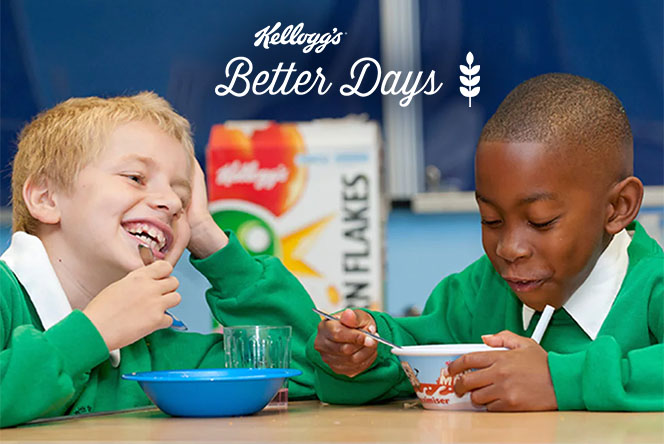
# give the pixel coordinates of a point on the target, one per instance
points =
(471, 80)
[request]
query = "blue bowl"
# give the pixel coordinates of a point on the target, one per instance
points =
(212, 392)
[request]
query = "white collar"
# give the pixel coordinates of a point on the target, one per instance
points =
(28, 260)
(590, 304)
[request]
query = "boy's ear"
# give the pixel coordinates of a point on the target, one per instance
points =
(624, 204)
(39, 200)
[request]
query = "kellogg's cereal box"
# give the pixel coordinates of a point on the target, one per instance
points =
(309, 193)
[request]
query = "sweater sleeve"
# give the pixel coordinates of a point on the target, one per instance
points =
(261, 291)
(600, 379)
(446, 319)
(603, 377)
(59, 360)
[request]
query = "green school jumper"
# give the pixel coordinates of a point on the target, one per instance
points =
(66, 369)
(622, 369)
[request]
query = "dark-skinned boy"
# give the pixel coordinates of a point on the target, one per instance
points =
(558, 199)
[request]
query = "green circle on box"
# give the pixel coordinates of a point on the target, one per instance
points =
(255, 235)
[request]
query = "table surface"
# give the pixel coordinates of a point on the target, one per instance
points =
(312, 421)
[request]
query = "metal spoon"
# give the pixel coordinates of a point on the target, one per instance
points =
(371, 335)
(148, 257)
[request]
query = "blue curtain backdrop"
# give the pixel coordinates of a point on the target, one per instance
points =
(617, 43)
(52, 50)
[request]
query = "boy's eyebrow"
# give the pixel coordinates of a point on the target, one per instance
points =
(524, 201)
(537, 196)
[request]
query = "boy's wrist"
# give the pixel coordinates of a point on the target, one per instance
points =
(206, 239)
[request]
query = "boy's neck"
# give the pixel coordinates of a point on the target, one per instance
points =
(80, 281)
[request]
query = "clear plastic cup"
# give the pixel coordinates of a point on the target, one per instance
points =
(260, 346)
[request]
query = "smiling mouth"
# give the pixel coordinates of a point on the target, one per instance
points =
(149, 235)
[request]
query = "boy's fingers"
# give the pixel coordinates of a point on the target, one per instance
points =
(166, 321)
(347, 367)
(348, 318)
(338, 348)
(352, 361)
(493, 340)
(159, 269)
(168, 284)
(507, 339)
(337, 332)
(475, 360)
(369, 342)
(170, 300)
(473, 381)
(485, 395)
(357, 319)
(500, 405)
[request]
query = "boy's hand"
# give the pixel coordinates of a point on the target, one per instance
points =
(134, 306)
(206, 236)
(345, 350)
(513, 380)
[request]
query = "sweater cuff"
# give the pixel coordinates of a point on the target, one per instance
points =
(79, 343)
(567, 377)
(229, 269)
(341, 389)
(384, 331)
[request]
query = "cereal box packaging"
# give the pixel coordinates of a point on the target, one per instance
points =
(308, 193)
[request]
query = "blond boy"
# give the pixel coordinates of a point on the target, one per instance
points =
(94, 178)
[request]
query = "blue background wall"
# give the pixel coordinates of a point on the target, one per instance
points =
(617, 43)
(52, 50)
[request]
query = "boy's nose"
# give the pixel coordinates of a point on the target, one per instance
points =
(167, 201)
(512, 247)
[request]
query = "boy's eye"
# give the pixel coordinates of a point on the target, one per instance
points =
(542, 225)
(491, 223)
(139, 179)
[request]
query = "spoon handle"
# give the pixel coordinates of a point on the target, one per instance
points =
(148, 258)
(371, 335)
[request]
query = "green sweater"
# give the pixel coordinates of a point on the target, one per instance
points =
(622, 369)
(66, 369)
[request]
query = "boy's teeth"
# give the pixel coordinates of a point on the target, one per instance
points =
(151, 236)
(152, 232)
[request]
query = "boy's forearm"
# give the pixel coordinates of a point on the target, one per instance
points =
(248, 290)
(599, 378)
(57, 360)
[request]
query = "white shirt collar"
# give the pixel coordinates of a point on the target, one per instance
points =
(590, 304)
(28, 260)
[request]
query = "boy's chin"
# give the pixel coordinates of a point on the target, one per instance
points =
(539, 301)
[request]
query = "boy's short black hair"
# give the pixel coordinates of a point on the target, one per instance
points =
(565, 110)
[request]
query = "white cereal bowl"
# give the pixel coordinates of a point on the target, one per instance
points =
(424, 366)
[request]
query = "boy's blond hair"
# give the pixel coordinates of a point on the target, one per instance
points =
(60, 141)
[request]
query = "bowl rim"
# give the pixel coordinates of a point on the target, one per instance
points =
(208, 374)
(443, 349)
